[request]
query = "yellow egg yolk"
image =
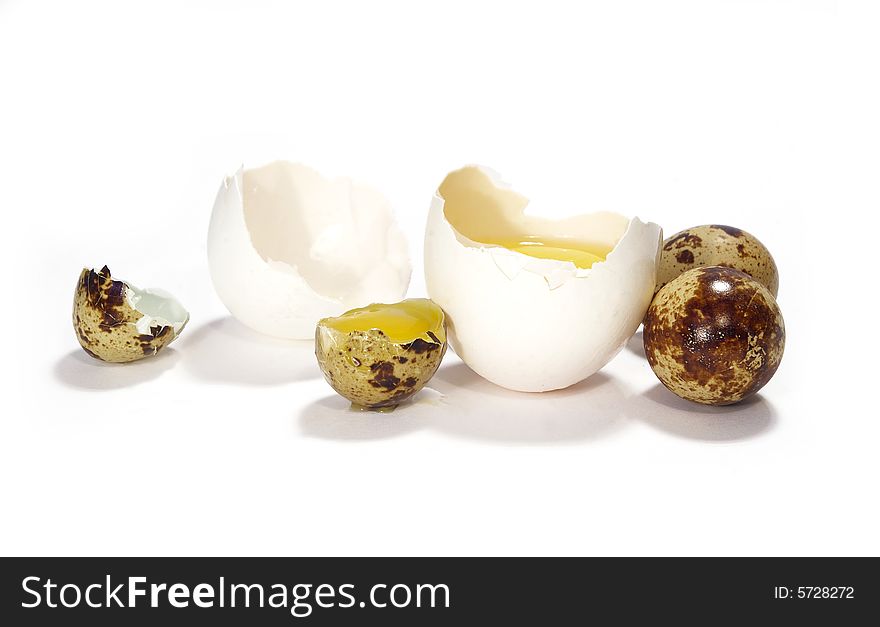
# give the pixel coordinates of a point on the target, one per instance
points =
(581, 255)
(400, 322)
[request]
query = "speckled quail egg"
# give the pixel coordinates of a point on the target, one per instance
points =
(714, 335)
(717, 245)
(379, 356)
(117, 322)
(534, 303)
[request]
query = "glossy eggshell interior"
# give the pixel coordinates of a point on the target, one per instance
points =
(287, 247)
(526, 324)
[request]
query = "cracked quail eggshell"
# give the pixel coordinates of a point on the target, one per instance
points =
(532, 324)
(375, 372)
(287, 247)
(117, 322)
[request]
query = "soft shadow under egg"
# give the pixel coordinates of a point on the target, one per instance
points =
(461, 404)
(226, 351)
(78, 370)
(334, 418)
(478, 409)
(663, 410)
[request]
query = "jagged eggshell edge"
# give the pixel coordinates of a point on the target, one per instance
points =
(270, 296)
(109, 328)
(520, 331)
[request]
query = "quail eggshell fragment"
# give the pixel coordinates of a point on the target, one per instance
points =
(287, 247)
(533, 324)
(717, 245)
(117, 322)
(375, 371)
(714, 335)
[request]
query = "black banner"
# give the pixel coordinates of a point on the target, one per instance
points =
(432, 591)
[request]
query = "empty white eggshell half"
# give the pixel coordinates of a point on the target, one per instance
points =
(287, 247)
(525, 323)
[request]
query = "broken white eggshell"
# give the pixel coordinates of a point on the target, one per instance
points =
(287, 247)
(525, 323)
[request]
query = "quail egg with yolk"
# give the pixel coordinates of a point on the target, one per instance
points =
(381, 355)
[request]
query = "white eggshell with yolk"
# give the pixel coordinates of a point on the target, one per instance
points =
(532, 324)
(287, 247)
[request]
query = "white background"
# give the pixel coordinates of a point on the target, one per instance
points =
(119, 120)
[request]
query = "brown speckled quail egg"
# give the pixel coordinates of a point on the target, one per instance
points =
(381, 355)
(717, 245)
(714, 335)
(117, 322)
